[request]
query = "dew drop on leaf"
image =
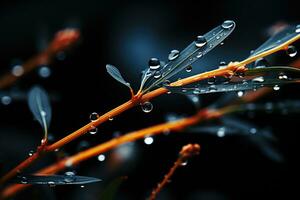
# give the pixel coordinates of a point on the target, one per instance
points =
(188, 68)
(200, 41)
(276, 87)
(157, 74)
(6, 100)
(173, 54)
(154, 63)
(31, 153)
(227, 24)
(147, 107)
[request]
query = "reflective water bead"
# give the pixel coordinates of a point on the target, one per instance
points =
(221, 132)
(147, 107)
(291, 51)
(157, 74)
(148, 140)
(200, 41)
(93, 130)
(211, 80)
(24, 180)
(259, 79)
(282, 76)
(101, 157)
(94, 116)
(154, 63)
(31, 153)
(227, 24)
(188, 68)
(173, 54)
(276, 87)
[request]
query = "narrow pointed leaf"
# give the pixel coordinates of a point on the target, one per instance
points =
(278, 39)
(40, 107)
(54, 179)
(192, 53)
(115, 73)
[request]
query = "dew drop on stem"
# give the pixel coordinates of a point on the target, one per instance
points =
(147, 107)
(94, 116)
(148, 140)
(200, 41)
(291, 51)
(93, 130)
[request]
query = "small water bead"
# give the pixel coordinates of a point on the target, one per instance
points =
(147, 107)
(282, 76)
(200, 41)
(291, 51)
(70, 173)
(227, 24)
(93, 130)
(173, 54)
(188, 68)
(44, 72)
(221, 132)
(297, 28)
(211, 80)
(6, 100)
(24, 180)
(276, 87)
(31, 153)
(240, 93)
(51, 184)
(94, 116)
(110, 119)
(69, 177)
(101, 157)
(184, 163)
(17, 70)
(157, 74)
(154, 63)
(259, 79)
(148, 140)
(253, 130)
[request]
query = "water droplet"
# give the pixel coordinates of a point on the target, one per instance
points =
(148, 140)
(101, 157)
(147, 107)
(188, 68)
(200, 41)
(24, 180)
(157, 74)
(211, 80)
(297, 28)
(82, 186)
(51, 184)
(222, 43)
(221, 132)
(282, 76)
(212, 88)
(183, 90)
(253, 130)
(6, 100)
(240, 93)
(70, 173)
(196, 91)
(93, 130)
(94, 116)
(184, 163)
(31, 153)
(260, 63)
(276, 87)
(259, 79)
(44, 72)
(110, 118)
(17, 70)
(154, 63)
(69, 177)
(291, 51)
(173, 54)
(227, 24)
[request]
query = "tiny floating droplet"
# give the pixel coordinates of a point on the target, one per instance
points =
(154, 63)
(147, 107)
(101, 157)
(276, 87)
(188, 68)
(200, 41)
(196, 91)
(82, 186)
(282, 76)
(94, 116)
(211, 80)
(110, 118)
(291, 51)
(173, 54)
(93, 130)
(148, 140)
(227, 24)
(17, 70)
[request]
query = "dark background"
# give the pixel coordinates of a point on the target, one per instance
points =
(127, 34)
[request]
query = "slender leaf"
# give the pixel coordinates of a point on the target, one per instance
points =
(190, 54)
(54, 179)
(40, 107)
(115, 73)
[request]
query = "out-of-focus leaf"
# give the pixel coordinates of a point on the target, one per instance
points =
(115, 73)
(54, 179)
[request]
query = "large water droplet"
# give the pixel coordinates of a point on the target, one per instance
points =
(93, 130)
(188, 68)
(291, 51)
(200, 41)
(227, 24)
(148, 140)
(154, 63)
(173, 54)
(51, 183)
(94, 116)
(276, 87)
(147, 107)
(196, 91)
